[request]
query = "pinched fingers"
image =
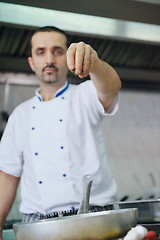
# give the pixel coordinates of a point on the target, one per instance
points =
(86, 63)
(71, 57)
(81, 58)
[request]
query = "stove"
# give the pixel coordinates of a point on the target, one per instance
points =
(152, 227)
(148, 212)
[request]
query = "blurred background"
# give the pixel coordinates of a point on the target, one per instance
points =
(126, 34)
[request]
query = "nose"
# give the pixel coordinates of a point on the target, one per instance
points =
(50, 58)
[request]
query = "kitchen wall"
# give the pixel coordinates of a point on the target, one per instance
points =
(132, 138)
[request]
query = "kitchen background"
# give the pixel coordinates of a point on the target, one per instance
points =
(125, 33)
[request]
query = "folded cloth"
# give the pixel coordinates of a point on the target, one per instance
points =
(136, 233)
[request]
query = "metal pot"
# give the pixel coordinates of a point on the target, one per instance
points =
(95, 226)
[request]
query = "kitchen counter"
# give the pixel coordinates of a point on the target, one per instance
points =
(8, 234)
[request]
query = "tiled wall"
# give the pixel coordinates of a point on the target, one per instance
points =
(132, 140)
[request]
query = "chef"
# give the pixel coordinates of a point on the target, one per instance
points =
(54, 139)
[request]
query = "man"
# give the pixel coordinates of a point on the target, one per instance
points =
(52, 140)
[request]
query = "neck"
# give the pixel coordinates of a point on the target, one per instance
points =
(48, 92)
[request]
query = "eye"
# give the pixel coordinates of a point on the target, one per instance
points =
(40, 52)
(58, 52)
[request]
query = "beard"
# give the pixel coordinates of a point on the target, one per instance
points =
(49, 78)
(49, 74)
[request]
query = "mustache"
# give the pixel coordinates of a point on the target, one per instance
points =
(50, 66)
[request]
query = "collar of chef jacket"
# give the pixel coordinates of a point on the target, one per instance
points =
(57, 94)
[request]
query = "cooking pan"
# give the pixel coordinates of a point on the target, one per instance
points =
(148, 210)
(96, 226)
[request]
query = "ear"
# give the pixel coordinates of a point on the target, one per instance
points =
(31, 64)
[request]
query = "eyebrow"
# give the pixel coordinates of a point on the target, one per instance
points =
(54, 48)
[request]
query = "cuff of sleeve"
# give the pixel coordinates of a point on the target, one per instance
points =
(113, 108)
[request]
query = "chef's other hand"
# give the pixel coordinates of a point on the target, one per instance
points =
(81, 58)
(136, 233)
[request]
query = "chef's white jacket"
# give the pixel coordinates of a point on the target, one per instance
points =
(52, 145)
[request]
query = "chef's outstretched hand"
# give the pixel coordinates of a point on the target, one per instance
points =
(81, 58)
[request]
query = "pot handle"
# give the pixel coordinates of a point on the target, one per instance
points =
(84, 205)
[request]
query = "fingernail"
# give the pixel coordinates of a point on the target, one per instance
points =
(77, 72)
(71, 67)
(81, 76)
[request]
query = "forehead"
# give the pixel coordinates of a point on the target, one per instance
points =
(48, 39)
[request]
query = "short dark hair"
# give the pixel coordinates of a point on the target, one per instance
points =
(47, 29)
